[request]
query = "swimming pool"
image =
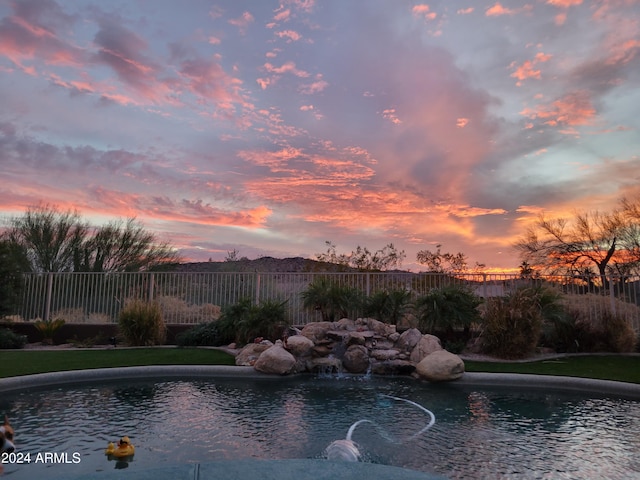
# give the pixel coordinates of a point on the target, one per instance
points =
(480, 432)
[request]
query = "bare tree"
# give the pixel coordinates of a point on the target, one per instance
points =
(599, 240)
(445, 262)
(363, 259)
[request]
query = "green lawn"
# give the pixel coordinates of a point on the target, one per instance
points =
(606, 367)
(25, 362)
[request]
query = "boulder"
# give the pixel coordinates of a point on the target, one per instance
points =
(316, 331)
(358, 338)
(345, 324)
(382, 355)
(393, 367)
(426, 346)
(356, 359)
(299, 345)
(409, 339)
(250, 353)
(275, 360)
(328, 364)
(380, 328)
(440, 366)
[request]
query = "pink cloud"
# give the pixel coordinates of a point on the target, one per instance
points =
(465, 11)
(564, 3)
(315, 87)
(527, 70)
(423, 11)
(282, 15)
(289, 35)
(242, 22)
(32, 33)
(288, 67)
(573, 109)
(497, 10)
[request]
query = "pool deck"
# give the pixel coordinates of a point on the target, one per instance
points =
(266, 470)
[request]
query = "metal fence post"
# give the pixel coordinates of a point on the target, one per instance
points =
(368, 284)
(612, 296)
(47, 299)
(150, 293)
(257, 296)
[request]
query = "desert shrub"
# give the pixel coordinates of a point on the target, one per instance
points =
(333, 300)
(512, 324)
(598, 328)
(243, 322)
(204, 334)
(448, 308)
(10, 339)
(141, 323)
(48, 328)
(388, 306)
(174, 308)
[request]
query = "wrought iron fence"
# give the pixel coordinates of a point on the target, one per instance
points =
(189, 298)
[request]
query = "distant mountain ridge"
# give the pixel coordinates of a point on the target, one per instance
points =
(264, 264)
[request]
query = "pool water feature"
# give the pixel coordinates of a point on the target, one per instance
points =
(479, 432)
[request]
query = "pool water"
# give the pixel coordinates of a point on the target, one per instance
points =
(479, 432)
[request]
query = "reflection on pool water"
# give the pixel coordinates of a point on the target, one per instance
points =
(479, 433)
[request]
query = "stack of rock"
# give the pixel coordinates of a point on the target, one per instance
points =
(360, 346)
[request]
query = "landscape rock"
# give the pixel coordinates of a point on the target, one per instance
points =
(356, 359)
(316, 331)
(275, 360)
(383, 355)
(393, 367)
(426, 346)
(324, 365)
(409, 339)
(299, 345)
(440, 366)
(345, 324)
(250, 353)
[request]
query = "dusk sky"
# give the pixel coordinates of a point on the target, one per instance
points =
(269, 127)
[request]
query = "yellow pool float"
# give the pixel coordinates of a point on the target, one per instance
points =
(122, 449)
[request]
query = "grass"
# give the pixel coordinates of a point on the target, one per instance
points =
(621, 368)
(21, 362)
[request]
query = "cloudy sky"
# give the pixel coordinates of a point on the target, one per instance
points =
(269, 127)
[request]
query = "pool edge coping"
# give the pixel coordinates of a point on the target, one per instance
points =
(202, 371)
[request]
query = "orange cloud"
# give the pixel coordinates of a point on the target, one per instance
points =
(573, 109)
(423, 11)
(564, 3)
(497, 10)
(527, 70)
(462, 122)
(390, 114)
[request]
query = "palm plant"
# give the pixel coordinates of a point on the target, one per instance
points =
(333, 300)
(388, 306)
(448, 308)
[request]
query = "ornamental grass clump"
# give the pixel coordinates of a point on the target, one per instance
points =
(513, 324)
(141, 323)
(601, 323)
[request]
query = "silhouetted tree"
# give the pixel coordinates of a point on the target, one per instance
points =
(606, 241)
(60, 241)
(363, 259)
